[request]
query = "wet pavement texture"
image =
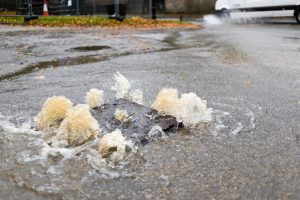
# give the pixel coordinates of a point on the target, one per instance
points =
(248, 73)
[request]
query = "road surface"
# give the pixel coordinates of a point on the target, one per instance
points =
(248, 73)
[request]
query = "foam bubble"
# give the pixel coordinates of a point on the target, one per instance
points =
(167, 102)
(114, 146)
(94, 98)
(193, 110)
(122, 116)
(78, 127)
(190, 109)
(54, 110)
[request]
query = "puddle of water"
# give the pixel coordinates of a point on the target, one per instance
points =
(89, 48)
(70, 61)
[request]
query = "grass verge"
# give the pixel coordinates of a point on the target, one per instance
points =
(90, 21)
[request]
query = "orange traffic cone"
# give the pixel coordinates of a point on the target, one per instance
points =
(45, 10)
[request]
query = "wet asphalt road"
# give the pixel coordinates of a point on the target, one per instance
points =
(249, 74)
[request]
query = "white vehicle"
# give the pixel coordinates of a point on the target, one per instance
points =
(261, 8)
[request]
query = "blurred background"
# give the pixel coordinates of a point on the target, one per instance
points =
(141, 8)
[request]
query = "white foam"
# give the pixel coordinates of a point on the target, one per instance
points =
(167, 102)
(156, 132)
(123, 89)
(122, 86)
(24, 128)
(122, 116)
(33, 172)
(53, 170)
(95, 98)
(67, 153)
(116, 141)
(136, 96)
(52, 189)
(78, 127)
(27, 158)
(54, 110)
(46, 150)
(194, 110)
(252, 119)
(190, 109)
(221, 127)
(238, 129)
(101, 166)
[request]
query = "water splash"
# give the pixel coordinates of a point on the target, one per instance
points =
(123, 89)
(189, 108)
(122, 86)
(111, 158)
(212, 20)
(25, 127)
(194, 110)
(238, 129)
(167, 102)
(233, 17)
(78, 127)
(114, 146)
(95, 98)
(136, 96)
(104, 169)
(233, 116)
(54, 110)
